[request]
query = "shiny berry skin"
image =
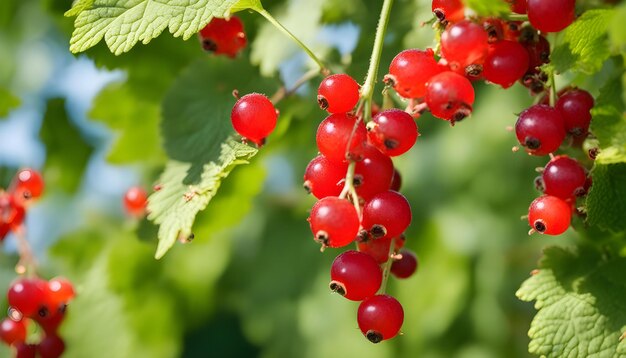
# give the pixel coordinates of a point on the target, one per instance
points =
(549, 215)
(12, 332)
(564, 177)
(334, 222)
(450, 96)
(135, 201)
(448, 10)
(338, 93)
(393, 132)
(539, 129)
(11, 214)
(574, 106)
(28, 296)
(223, 37)
(518, 6)
(379, 248)
(506, 63)
(355, 275)
(60, 291)
(538, 52)
(24, 350)
(463, 44)
(380, 317)
(324, 178)
(337, 139)
(373, 174)
(254, 117)
(410, 70)
(27, 184)
(396, 181)
(551, 16)
(387, 214)
(406, 266)
(51, 346)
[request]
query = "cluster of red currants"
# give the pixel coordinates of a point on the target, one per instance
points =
(36, 300)
(357, 186)
(26, 186)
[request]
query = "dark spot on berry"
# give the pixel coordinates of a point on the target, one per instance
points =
(43, 311)
(539, 184)
(391, 144)
(390, 80)
(307, 186)
(593, 153)
(357, 181)
(323, 102)
(473, 70)
(362, 236)
(322, 237)
(532, 143)
(539, 226)
(337, 287)
(378, 231)
(440, 15)
(580, 192)
(209, 45)
(373, 336)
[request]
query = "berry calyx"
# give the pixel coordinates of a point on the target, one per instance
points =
(340, 137)
(380, 317)
(387, 214)
(254, 117)
(448, 10)
(410, 70)
(223, 36)
(564, 177)
(338, 93)
(393, 132)
(355, 275)
(540, 129)
(135, 201)
(334, 222)
(450, 96)
(406, 266)
(549, 215)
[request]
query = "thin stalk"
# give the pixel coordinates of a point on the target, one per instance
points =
(284, 92)
(387, 267)
(368, 87)
(349, 183)
(285, 31)
(26, 264)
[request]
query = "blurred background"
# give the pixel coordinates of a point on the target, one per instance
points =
(253, 283)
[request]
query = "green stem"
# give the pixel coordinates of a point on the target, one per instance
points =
(368, 87)
(349, 183)
(552, 89)
(387, 267)
(517, 17)
(284, 30)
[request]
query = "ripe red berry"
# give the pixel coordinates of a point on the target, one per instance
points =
(13, 332)
(338, 93)
(379, 248)
(463, 44)
(373, 174)
(28, 296)
(396, 181)
(334, 222)
(135, 201)
(574, 106)
(387, 214)
(448, 10)
(406, 266)
(494, 28)
(518, 6)
(551, 16)
(254, 117)
(450, 96)
(540, 129)
(506, 63)
(11, 214)
(564, 177)
(24, 350)
(549, 215)
(410, 70)
(538, 49)
(393, 132)
(60, 291)
(355, 275)
(52, 346)
(340, 137)
(223, 37)
(27, 184)
(380, 317)
(324, 178)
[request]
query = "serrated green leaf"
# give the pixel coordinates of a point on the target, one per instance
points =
(176, 205)
(488, 7)
(247, 4)
(67, 152)
(123, 23)
(8, 102)
(606, 202)
(135, 120)
(79, 6)
(580, 301)
(584, 47)
(609, 119)
(617, 35)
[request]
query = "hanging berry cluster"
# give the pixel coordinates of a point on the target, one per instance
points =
(32, 300)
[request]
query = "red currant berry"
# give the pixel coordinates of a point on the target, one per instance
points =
(538, 49)
(550, 16)
(324, 178)
(406, 266)
(450, 96)
(540, 130)
(393, 132)
(60, 291)
(387, 214)
(463, 44)
(12, 332)
(27, 184)
(380, 317)
(410, 70)
(549, 215)
(340, 137)
(355, 275)
(564, 177)
(254, 117)
(574, 106)
(373, 174)
(52, 346)
(511, 30)
(223, 37)
(28, 296)
(338, 93)
(334, 222)
(506, 63)
(135, 201)
(50, 323)
(24, 350)
(494, 29)
(379, 248)
(396, 181)
(448, 10)
(518, 6)
(11, 214)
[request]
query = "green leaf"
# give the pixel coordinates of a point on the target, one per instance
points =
(580, 301)
(584, 47)
(488, 7)
(176, 205)
(606, 202)
(67, 152)
(8, 102)
(79, 6)
(609, 120)
(135, 120)
(247, 4)
(123, 23)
